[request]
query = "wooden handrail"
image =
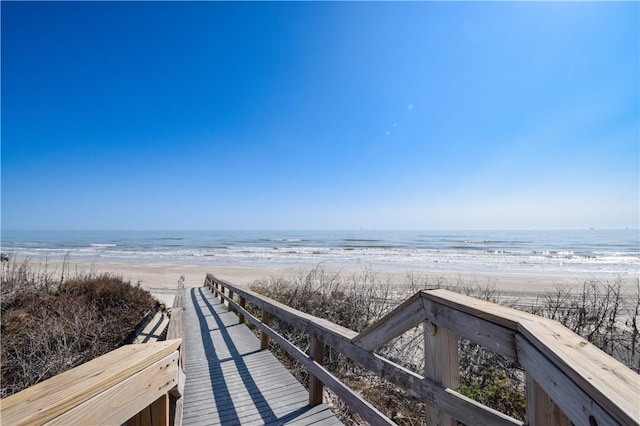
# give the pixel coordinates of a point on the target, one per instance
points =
(110, 389)
(568, 379)
(176, 324)
(176, 331)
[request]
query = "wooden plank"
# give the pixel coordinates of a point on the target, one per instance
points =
(340, 338)
(404, 317)
(175, 410)
(264, 337)
(298, 319)
(177, 300)
(316, 389)
(50, 398)
(609, 383)
(320, 415)
(464, 409)
(126, 398)
(441, 366)
(243, 303)
(176, 327)
(495, 337)
(160, 411)
(230, 305)
(468, 411)
(153, 330)
(541, 410)
(143, 418)
(231, 381)
(367, 411)
(574, 402)
(497, 314)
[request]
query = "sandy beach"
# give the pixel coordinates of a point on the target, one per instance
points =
(161, 278)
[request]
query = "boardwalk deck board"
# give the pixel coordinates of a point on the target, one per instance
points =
(230, 381)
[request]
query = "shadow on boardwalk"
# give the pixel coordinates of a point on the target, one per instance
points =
(230, 380)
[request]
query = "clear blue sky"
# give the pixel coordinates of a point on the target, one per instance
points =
(207, 115)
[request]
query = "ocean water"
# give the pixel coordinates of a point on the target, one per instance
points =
(571, 252)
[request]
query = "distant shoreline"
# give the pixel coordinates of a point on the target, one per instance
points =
(161, 278)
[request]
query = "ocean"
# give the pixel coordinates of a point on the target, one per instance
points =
(559, 252)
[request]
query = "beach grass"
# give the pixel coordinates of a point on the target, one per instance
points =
(602, 312)
(53, 321)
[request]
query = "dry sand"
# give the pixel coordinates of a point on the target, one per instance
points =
(161, 279)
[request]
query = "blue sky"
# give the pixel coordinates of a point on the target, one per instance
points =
(207, 115)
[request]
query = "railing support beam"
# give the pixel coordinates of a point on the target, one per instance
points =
(264, 337)
(541, 410)
(316, 388)
(243, 304)
(441, 366)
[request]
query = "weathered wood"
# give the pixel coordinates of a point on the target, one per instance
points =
(441, 366)
(294, 317)
(177, 300)
(610, 384)
(497, 314)
(574, 402)
(231, 381)
(243, 303)
(264, 337)
(160, 411)
(57, 395)
(404, 317)
(176, 326)
(176, 331)
(541, 410)
(367, 411)
(316, 352)
(156, 324)
(602, 381)
(230, 306)
(340, 338)
(464, 409)
(495, 337)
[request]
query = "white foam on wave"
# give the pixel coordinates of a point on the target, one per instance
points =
(396, 258)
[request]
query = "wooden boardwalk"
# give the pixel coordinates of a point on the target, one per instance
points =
(230, 381)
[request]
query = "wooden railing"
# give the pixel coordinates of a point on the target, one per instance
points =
(176, 331)
(139, 384)
(567, 378)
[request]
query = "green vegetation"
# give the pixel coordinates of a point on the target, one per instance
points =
(51, 323)
(601, 313)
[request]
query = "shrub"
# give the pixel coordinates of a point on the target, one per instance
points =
(50, 325)
(601, 313)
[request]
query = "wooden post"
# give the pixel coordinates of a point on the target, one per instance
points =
(175, 410)
(229, 306)
(264, 339)
(441, 366)
(221, 293)
(316, 387)
(243, 303)
(541, 410)
(160, 411)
